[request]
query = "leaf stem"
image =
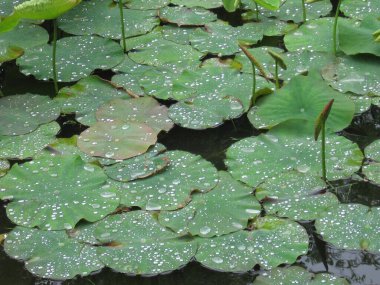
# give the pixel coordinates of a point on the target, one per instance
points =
(276, 76)
(336, 27)
(122, 24)
(304, 10)
(254, 81)
(54, 59)
(257, 11)
(323, 134)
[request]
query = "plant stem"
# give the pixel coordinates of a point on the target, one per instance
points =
(323, 134)
(122, 24)
(254, 81)
(335, 27)
(55, 74)
(276, 76)
(304, 10)
(257, 11)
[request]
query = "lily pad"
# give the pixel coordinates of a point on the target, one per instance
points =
(171, 189)
(6, 6)
(138, 167)
(297, 275)
(22, 114)
(46, 253)
(28, 145)
(356, 38)
(302, 208)
(359, 9)
(54, 193)
(209, 4)
(255, 159)
(205, 111)
(372, 172)
(356, 74)
(86, 96)
(225, 209)
(13, 43)
(183, 16)
(145, 4)
(373, 151)
(351, 226)
(301, 100)
(179, 35)
(142, 245)
(4, 167)
(140, 110)
(102, 18)
(222, 39)
(117, 139)
(291, 184)
(77, 57)
(242, 250)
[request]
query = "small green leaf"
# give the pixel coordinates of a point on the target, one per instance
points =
(231, 5)
(269, 4)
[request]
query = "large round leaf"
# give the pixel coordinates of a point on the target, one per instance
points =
(373, 151)
(351, 226)
(225, 209)
(21, 114)
(273, 242)
(56, 192)
(51, 254)
(199, 3)
(102, 17)
(255, 159)
(140, 110)
(28, 145)
(372, 172)
(301, 101)
(297, 275)
(86, 96)
(76, 58)
(145, 4)
(139, 245)
(171, 189)
(205, 111)
(117, 139)
(360, 9)
(183, 16)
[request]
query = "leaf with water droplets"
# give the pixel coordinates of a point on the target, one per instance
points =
(209, 4)
(54, 193)
(225, 209)
(140, 166)
(297, 275)
(301, 101)
(143, 246)
(179, 35)
(51, 254)
(242, 250)
(117, 139)
(22, 114)
(140, 110)
(76, 58)
(170, 189)
(372, 172)
(183, 16)
(28, 145)
(102, 17)
(145, 4)
(4, 167)
(360, 9)
(351, 226)
(372, 151)
(86, 96)
(255, 159)
(205, 111)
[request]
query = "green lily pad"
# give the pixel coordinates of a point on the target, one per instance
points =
(4, 167)
(222, 39)
(86, 96)
(360, 9)
(102, 18)
(183, 16)
(6, 6)
(13, 43)
(138, 167)
(288, 185)
(179, 35)
(54, 193)
(46, 253)
(170, 189)
(77, 57)
(356, 74)
(142, 245)
(351, 226)
(373, 151)
(297, 275)
(205, 111)
(291, 10)
(301, 101)
(28, 145)
(242, 250)
(372, 172)
(21, 114)
(145, 4)
(356, 38)
(209, 4)
(363, 103)
(130, 67)
(225, 209)
(140, 110)
(302, 208)
(255, 159)
(117, 139)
